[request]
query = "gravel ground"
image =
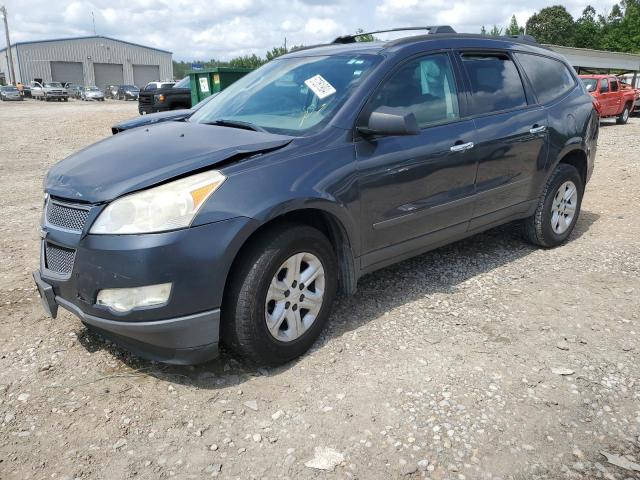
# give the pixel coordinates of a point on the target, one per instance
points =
(485, 359)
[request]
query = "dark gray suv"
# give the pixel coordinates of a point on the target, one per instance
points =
(240, 223)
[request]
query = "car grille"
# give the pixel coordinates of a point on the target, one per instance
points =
(59, 259)
(66, 216)
(145, 99)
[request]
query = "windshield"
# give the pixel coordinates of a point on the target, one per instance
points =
(9, 89)
(184, 83)
(53, 85)
(590, 84)
(92, 89)
(294, 96)
(130, 87)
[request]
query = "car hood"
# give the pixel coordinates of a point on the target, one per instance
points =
(152, 118)
(143, 157)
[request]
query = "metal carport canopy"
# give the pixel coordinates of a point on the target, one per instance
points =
(599, 59)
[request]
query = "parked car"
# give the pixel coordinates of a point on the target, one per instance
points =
(111, 91)
(128, 92)
(9, 92)
(240, 224)
(26, 91)
(74, 91)
(49, 91)
(92, 93)
(612, 99)
(159, 117)
(163, 96)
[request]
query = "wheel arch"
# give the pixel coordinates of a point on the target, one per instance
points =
(578, 159)
(325, 221)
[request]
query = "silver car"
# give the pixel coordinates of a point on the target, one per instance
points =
(9, 92)
(92, 93)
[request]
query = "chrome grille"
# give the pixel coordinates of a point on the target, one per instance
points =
(66, 216)
(59, 259)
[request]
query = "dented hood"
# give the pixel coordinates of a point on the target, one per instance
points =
(144, 157)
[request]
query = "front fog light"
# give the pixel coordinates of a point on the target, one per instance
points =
(126, 299)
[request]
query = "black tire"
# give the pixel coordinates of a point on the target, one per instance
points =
(244, 327)
(624, 116)
(537, 229)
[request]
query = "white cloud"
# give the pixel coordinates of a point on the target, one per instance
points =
(202, 29)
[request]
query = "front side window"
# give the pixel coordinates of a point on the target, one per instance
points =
(549, 78)
(425, 86)
(495, 83)
(604, 85)
(293, 96)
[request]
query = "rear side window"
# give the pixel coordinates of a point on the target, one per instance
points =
(495, 83)
(550, 78)
(614, 85)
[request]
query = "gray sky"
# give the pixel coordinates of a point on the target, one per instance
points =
(204, 29)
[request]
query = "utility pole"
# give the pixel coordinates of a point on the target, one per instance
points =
(12, 72)
(93, 18)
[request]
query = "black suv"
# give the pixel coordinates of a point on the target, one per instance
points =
(240, 224)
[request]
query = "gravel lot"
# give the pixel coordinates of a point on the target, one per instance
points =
(485, 359)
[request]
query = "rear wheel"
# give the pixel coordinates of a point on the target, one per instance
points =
(280, 294)
(558, 208)
(624, 116)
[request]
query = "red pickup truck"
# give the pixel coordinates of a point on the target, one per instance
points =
(612, 100)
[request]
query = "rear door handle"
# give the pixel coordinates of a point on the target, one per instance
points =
(462, 147)
(536, 130)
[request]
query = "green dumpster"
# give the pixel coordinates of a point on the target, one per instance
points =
(208, 81)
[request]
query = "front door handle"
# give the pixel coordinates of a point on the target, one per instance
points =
(462, 147)
(537, 129)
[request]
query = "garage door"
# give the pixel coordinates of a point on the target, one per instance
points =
(108, 74)
(143, 74)
(70, 72)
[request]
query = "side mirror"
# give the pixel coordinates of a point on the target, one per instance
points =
(391, 121)
(589, 88)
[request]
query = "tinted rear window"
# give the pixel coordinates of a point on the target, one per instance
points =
(495, 83)
(550, 78)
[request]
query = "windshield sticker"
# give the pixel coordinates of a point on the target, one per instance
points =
(320, 86)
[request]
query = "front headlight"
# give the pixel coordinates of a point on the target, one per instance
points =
(167, 207)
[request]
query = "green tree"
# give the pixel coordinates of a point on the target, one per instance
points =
(620, 30)
(514, 28)
(553, 25)
(495, 31)
(275, 52)
(366, 37)
(588, 31)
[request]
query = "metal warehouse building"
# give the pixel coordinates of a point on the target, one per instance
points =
(94, 60)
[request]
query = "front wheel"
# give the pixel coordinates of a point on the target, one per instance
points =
(280, 294)
(624, 116)
(558, 208)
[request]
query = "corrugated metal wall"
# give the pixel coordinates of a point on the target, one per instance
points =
(4, 64)
(35, 59)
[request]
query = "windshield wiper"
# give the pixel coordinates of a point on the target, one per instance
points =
(237, 124)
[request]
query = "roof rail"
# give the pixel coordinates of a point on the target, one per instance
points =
(526, 38)
(431, 29)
